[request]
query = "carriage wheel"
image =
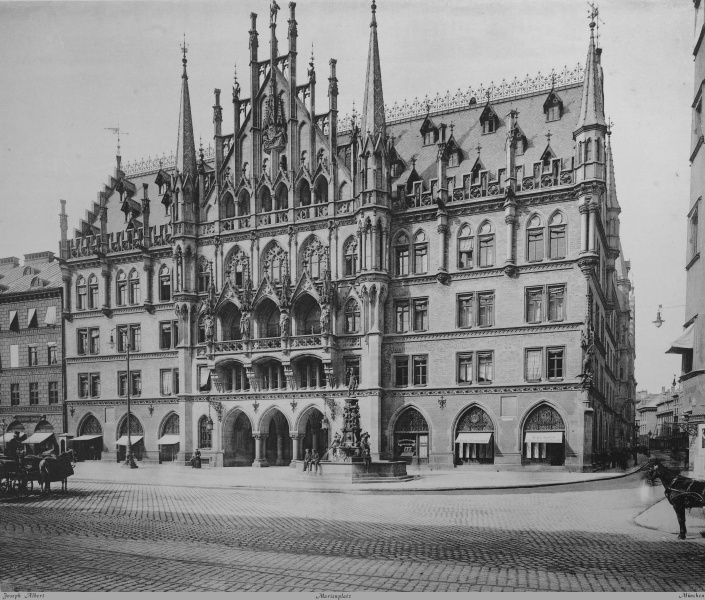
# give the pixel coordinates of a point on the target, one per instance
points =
(5, 486)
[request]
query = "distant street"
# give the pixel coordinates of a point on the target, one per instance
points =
(119, 537)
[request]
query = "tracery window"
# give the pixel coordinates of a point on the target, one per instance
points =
(134, 287)
(204, 274)
(92, 291)
(121, 289)
(352, 316)
(420, 253)
(401, 252)
(81, 293)
(275, 263)
(486, 243)
(350, 252)
(534, 237)
(466, 244)
(164, 283)
(557, 236)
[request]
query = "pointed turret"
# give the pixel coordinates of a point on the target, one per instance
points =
(373, 106)
(611, 188)
(592, 110)
(186, 145)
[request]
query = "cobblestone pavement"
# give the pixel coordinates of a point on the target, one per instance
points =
(127, 537)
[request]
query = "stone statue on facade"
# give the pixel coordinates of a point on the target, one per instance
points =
(325, 320)
(245, 326)
(284, 324)
(209, 323)
(352, 382)
(273, 10)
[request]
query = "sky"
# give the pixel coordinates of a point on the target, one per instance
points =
(72, 69)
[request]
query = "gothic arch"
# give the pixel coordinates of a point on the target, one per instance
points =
(530, 411)
(313, 257)
(274, 262)
(281, 197)
(273, 412)
(320, 190)
(89, 425)
(164, 424)
(468, 407)
(421, 428)
(238, 443)
(229, 206)
(264, 198)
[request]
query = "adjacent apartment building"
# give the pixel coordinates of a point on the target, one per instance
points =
(460, 258)
(691, 344)
(31, 351)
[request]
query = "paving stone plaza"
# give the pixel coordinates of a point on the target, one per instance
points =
(118, 536)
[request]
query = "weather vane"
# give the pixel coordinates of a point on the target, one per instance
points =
(594, 16)
(184, 48)
(116, 130)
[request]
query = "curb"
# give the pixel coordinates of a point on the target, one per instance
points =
(367, 490)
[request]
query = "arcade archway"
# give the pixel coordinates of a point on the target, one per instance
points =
(411, 438)
(238, 443)
(474, 438)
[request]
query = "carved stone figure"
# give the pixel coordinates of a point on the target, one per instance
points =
(325, 320)
(284, 324)
(245, 326)
(209, 327)
(273, 10)
(587, 361)
(352, 382)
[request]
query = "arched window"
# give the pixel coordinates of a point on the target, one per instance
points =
(308, 316)
(229, 206)
(202, 329)
(134, 287)
(81, 292)
(320, 194)
(420, 253)
(92, 292)
(121, 289)
(164, 284)
(352, 316)
(304, 194)
(486, 244)
(271, 375)
(265, 199)
(401, 254)
(466, 247)
(311, 373)
(314, 257)
(274, 263)
(204, 274)
(411, 437)
(598, 150)
(544, 437)
(282, 197)
(557, 235)
(580, 152)
(344, 191)
(204, 433)
(243, 203)
(230, 323)
(350, 251)
(534, 239)
(588, 150)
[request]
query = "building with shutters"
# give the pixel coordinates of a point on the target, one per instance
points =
(460, 258)
(31, 351)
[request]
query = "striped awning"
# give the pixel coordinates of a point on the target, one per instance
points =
(684, 342)
(123, 440)
(475, 437)
(39, 437)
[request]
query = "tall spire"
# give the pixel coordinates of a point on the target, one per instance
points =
(611, 188)
(186, 144)
(373, 106)
(592, 111)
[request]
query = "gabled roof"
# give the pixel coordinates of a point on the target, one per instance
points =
(551, 100)
(488, 113)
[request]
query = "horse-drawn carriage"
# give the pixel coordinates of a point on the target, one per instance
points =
(18, 474)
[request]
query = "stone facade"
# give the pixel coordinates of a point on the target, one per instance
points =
(31, 347)
(462, 263)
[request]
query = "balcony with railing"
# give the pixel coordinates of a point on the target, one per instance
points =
(118, 241)
(305, 213)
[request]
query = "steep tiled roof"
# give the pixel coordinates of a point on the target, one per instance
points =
(467, 132)
(47, 275)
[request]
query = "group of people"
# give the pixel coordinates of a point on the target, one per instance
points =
(312, 462)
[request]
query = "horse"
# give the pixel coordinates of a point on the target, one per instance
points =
(55, 469)
(681, 492)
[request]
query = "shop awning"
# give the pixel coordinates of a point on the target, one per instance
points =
(134, 439)
(39, 437)
(684, 342)
(480, 437)
(85, 438)
(168, 439)
(50, 318)
(544, 437)
(11, 436)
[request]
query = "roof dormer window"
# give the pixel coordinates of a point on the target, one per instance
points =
(489, 120)
(553, 107)
(453, 159)
(429, 131)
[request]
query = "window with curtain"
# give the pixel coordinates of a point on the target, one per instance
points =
(557, 230)
(134, 287)
(121, 289)
(401, 251)
(556, 297)
(485, 371)
(402, 316)
(352, 316)
(465, 310)
(535, 244)
(465, 367)
(420, 315)
(92, 292)
(533, 364)
(485, 316)
(534, 301)
(81, 294)
(486, 242)
(420, 253)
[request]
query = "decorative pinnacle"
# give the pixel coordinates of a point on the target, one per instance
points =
(116, 130)
(548, 136)
(478, 149)
(610, 125)
(373, 23)
(311, 63)
(184, 50)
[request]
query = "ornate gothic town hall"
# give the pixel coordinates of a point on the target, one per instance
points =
(459, 257)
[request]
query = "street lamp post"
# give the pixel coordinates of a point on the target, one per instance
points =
(129, 460)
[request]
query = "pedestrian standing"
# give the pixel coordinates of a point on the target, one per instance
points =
(316, 460)
(307, 460)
